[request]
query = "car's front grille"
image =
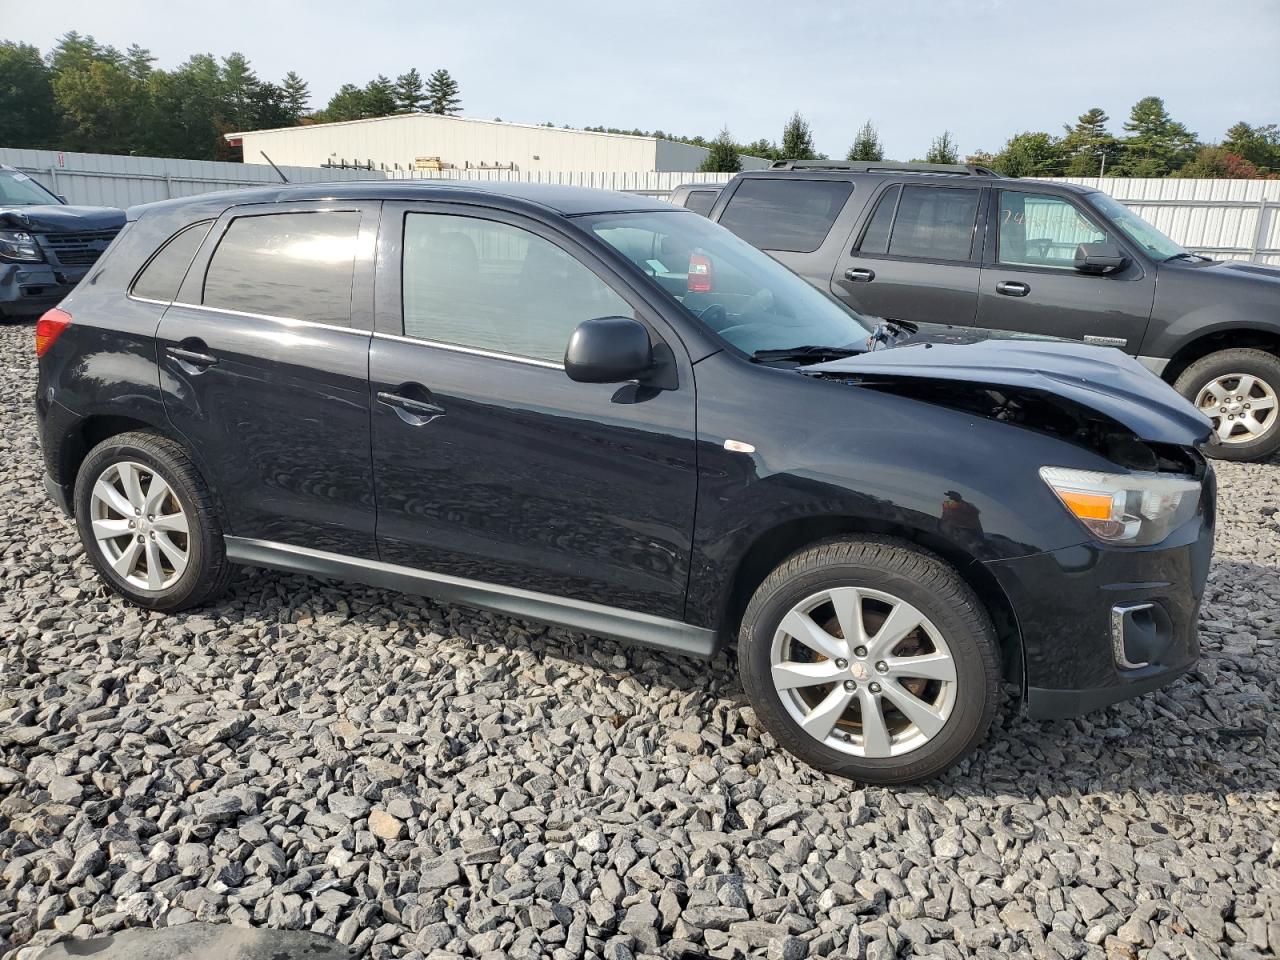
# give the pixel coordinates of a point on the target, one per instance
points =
(77, 249)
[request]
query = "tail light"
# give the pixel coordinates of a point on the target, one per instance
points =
(49, 327)
(699, 273)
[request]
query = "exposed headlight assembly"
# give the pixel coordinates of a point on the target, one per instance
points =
(1130, 509)
(20, 245)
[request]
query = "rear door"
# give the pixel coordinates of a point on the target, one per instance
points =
(264, 361)
(917, 257)
(1030, 283)
(491, 465)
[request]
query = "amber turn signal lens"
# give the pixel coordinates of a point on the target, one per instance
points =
(1087, 506)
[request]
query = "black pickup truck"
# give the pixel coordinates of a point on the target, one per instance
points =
(961, 245)
(46, 246)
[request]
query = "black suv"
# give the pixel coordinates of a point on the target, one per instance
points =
(961, 245)
(611, 414)
(46, 246)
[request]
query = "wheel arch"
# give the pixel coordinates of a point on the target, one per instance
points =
(772, 546)
(1221, 338)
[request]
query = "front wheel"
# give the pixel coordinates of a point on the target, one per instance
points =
(870, 659)
(1237, 389)
(147, 523)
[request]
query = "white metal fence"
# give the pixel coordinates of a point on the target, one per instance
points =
(1228, 219)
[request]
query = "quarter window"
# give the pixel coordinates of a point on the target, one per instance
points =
(162, 276)
(875, 239)
(785, 214)
(295, 265)
(1040, 230)
(701, 201)
(496, 287)
(934, 223)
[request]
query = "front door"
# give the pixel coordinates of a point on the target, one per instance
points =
(1031, 285)
(917, 256)
(264, 365)
(491, 464)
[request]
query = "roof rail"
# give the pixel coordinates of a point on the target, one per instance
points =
(886, 166)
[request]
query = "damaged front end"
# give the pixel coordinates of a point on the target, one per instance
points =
(46, 249)
(1094, 397)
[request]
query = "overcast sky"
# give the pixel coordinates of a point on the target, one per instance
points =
(983, 68)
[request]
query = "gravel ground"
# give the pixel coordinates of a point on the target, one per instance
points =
(417, 779)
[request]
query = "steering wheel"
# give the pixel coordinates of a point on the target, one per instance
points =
(1040, 247)
(715, 316)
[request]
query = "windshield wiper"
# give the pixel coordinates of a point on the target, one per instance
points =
(808, 352)
(886, 331)
(1186, 256)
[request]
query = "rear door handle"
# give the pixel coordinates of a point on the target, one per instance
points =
(1013, 288)
(192, 357)
(419, 408)
(859, 275)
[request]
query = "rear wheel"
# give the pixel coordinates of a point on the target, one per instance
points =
(870, 659)
(147, 523)
(1239, 390)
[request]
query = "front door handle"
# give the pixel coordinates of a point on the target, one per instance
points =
(1013, 288)
(418, 408)
(859, 275)
(192, 357)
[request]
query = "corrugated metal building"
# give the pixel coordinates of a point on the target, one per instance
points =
(431, 141)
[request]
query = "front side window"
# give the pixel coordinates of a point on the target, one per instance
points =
(785, 214)
(934, 223)
(294, 265)
(162, 276)
(1041, 230)
(743, 294)
(496, 287)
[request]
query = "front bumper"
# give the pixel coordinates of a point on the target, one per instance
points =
(29, 289)
(1103, 624)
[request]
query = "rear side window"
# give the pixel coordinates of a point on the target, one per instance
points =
(700, 201)
(934, 223)
(785, 214)
(875, 239)
(295, 265)
(163, 274)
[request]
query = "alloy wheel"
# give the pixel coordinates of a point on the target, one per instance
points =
(1241, 406)
(863, 672)
(139, 525)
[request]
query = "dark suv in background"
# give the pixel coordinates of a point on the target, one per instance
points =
(961, 245)
(605, 412)
(46, 246)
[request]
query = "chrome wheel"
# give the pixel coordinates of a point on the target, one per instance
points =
(863, 672)
(139, 525)
(1241, 406)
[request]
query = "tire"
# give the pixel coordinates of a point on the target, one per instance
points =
(205, 572)
(876, 568)
(1227, 369)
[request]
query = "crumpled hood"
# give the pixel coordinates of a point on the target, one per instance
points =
(59, 218)
(1100, 378)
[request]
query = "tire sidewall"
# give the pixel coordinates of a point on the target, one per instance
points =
(1256, 363)
(198, 534)
(969, 717)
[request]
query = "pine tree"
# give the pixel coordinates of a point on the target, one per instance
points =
(379, 97)
(411, 92)
(943, 150)
(1088, 145)
(347, 104)
(1157, 144)
(442, 93)
(296, 95)
(723, 156)
(866, 145)
(797, 139)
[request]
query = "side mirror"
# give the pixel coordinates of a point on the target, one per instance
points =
(1099, 258)
(608, 350)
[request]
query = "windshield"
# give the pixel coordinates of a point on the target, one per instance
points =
(744, 295)
(1136, 229)
(17, 189)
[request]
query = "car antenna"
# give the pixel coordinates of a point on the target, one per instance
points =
(273, 166)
